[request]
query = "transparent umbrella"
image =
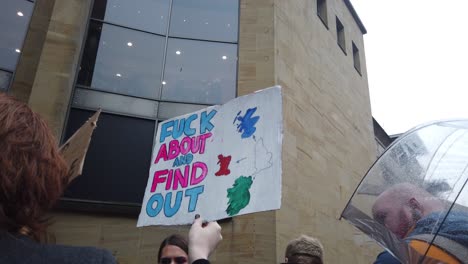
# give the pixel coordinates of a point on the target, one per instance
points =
(413, 201)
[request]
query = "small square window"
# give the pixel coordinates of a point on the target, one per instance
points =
(356, 58)
(322, 11)
(340, 34)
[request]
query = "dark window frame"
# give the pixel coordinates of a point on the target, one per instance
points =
(322, 12)
(340, 35)
(356, 58)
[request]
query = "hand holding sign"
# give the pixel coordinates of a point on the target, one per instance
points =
(203, 238)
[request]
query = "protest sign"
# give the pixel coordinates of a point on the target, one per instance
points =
(74, 150)
(218, 162)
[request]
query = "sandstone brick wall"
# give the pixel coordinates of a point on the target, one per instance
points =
(328, 143)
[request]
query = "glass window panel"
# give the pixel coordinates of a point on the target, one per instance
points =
(115, 103)
(170, 110)
(200, 72)
(205, 19)
(5, 78)
(122, 60)
(148, 15)
(14, 21)
(117, 161)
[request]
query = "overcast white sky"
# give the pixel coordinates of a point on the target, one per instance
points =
(417, 56)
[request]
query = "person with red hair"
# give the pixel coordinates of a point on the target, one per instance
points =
(33, 176)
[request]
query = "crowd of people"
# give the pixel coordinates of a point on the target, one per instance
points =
(33, 175)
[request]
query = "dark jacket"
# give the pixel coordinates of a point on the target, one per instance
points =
(386, 258)
(455, 226)
(21, 249)
(201, 261)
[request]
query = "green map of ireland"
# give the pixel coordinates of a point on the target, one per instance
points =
(239, 195)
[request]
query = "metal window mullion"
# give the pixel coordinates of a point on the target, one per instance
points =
(86, 108)
(126, 27)
(77, 71)
(6, 70)
(84, 87)
(113, 92)
(205, 40)
(238, 49)
(163, 68)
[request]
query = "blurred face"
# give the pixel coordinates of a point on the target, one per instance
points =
(173, 255)
(395, 214)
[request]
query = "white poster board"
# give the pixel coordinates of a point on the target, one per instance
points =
(218, 162)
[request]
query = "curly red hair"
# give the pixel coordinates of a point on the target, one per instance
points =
(32, 172)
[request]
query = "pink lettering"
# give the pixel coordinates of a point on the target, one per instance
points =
(158, 179)
(173, 149)
(195, 144)
(204, 170)
(169, 179)
(203, 139)
(185, 145)
(162, 153)
(182, 179)
(188, 144)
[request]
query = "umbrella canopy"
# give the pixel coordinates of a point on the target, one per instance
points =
(415, 194)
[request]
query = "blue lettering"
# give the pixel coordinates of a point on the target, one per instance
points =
(168, 210)
(150, 211)
(188, 159)
(176, 162)
(188, 131)
(183, 160)
(178, 128)
(164, 132)
(193, 193)
(205, 123)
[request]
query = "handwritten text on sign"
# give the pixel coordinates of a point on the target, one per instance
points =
(219, 162)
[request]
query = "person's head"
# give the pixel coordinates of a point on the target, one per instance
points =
(32, 172)
(401, 206)
(173, 250)
(304, 250)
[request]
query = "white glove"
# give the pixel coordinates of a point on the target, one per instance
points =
(203, 239)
